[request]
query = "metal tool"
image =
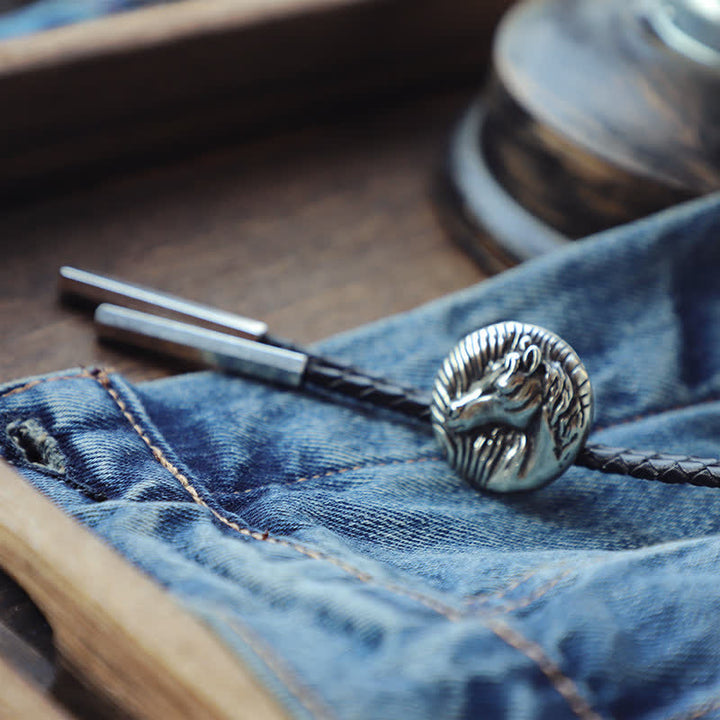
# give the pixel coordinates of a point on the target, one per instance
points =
(197, 344)
(94, 288)
(136, 315)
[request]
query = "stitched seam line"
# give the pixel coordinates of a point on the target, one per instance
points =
(528, 600)
(563, 684)
(429, 602)
(341, 471)
(310, 703)
(309, 700)
(484, 598)
(567, 689)
(542, 590)
(34, 383)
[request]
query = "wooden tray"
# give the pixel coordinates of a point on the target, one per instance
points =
(148, 82)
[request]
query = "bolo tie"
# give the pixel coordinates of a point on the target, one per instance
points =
(511, 404)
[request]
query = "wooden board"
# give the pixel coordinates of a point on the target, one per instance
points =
(314, 231)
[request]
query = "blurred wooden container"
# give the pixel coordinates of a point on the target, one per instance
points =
(149, 82)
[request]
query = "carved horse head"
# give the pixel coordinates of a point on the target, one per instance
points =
(510, 392)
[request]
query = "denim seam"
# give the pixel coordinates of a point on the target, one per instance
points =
(33, 383)
(303, 695)
(341, 471)
(308, 699)
(478, 602)
(521, 603)
(485, 598)
(565, 686)
(560, 682)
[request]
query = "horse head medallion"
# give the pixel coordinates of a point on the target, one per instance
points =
(512, 406)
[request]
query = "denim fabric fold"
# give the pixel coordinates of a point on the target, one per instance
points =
(331, 547)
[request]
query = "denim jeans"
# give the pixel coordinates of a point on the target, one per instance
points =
(331, 547)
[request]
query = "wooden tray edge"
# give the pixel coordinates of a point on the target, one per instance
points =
(146, 27)
(126, 636)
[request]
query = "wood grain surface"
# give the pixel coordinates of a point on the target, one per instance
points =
(314, 231)
(78, 99)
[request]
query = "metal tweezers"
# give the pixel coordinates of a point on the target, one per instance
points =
(163, 323)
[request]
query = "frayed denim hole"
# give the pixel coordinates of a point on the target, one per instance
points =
(36, 446)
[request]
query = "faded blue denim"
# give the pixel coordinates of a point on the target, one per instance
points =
(333, 550)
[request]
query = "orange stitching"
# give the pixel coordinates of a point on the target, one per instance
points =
(313, 704)
(562, 684)
(543, 589)
(33, 383)
(341, 471)
(485, 598)
(429, 602)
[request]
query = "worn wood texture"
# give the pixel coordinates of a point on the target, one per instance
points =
(313, 231)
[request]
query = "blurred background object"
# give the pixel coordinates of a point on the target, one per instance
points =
(597, 113)
(132, 87)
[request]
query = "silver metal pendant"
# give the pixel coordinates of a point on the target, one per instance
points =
(512, 405)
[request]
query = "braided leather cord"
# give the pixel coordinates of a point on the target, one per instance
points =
(348, 381)
(674, 469)
(642, 464)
